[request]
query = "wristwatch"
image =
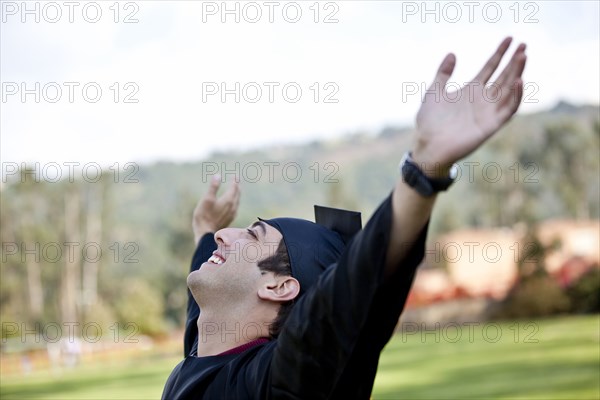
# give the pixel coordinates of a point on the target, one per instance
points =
(424, 185)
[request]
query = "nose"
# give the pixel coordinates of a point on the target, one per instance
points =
(227, 236)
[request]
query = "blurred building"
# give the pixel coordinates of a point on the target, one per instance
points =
(483, 263)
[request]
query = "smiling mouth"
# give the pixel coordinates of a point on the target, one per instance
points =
(216, 259)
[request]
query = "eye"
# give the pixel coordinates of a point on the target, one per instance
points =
(251, 233)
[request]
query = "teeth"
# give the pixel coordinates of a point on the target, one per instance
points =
(215, 260)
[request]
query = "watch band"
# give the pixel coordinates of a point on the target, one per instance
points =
(424, 185)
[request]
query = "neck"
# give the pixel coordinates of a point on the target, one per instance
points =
(219, 332)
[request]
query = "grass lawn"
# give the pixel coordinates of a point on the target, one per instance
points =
(545, 359)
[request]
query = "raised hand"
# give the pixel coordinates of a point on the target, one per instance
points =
(452, 125)
(213, 213)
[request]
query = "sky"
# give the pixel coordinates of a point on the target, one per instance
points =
(114, 82)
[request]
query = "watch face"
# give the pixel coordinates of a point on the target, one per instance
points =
(453, 172)
(404, 158)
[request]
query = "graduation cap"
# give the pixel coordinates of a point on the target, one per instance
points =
(312, 247)
(346, 223)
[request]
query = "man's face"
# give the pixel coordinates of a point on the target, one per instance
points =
(232, 272)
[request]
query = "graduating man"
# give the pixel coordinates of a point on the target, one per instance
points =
(291, 309)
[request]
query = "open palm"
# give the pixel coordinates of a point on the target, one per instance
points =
(450, 125)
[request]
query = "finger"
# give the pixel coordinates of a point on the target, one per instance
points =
(517, 95)
(236, 202)
(490, 66)
(515, 67)
(238, 194)
(231, 192)
(215, 182)
(511, 104)
(443, 74)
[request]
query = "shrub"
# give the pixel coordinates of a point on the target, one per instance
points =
(538, 295)
(584, 294)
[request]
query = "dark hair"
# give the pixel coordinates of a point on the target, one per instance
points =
(279, 264)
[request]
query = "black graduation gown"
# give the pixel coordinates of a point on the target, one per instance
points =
(329, 346)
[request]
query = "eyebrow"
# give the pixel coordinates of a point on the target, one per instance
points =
(262, 227)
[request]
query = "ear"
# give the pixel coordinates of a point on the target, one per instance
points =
(280, 289)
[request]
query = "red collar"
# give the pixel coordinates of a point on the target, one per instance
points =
(244, 347)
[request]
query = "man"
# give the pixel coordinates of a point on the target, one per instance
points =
(295, 310)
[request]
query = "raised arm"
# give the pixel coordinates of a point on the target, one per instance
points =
(447, 131)
(335, 332)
